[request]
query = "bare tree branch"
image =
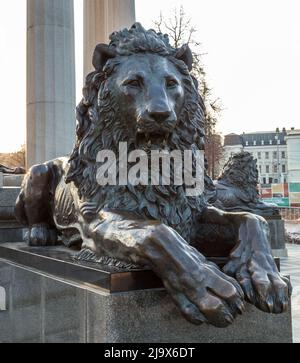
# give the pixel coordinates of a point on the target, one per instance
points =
(181, 31)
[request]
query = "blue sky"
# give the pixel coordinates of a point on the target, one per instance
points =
(252, 59)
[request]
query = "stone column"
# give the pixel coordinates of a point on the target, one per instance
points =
(50, 79)
(101, 18)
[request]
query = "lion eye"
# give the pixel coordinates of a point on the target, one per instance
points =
(171, 83)
(132, 83)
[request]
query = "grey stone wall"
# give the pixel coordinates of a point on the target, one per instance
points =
(46, 309)
(278, 237)
(10, 229)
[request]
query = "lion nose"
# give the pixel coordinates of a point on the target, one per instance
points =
(160, 116)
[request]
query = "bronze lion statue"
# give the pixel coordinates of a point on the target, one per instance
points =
(237, 187)
(142, 93)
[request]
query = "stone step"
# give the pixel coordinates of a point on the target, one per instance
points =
(7, 180)
(10, 229)
(8, 197)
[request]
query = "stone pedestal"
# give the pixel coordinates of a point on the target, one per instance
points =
(10, 229)
(12, 180)
(50, 80)
(101, 18)
(278, 237)
(52, 299)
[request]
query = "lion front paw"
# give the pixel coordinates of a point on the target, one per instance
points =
(206, 296)
(42, 235)
(262, 284)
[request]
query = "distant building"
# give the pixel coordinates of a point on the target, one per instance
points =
(293, 151)
(277, 153)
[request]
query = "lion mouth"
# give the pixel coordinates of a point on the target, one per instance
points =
(151, 140)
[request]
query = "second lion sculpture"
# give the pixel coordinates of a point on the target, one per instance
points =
(236, 188)
(142, 93)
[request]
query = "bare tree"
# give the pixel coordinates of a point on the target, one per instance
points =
(13, 159)
(181, 31)
(214, 153)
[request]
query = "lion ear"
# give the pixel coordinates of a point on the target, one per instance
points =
(185, 54)
(101, 55)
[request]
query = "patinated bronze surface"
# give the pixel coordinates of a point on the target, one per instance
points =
(142, 92)
(236, 189)
(6, 170)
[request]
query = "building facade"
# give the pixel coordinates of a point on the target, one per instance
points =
(277, 153)
(293, 150)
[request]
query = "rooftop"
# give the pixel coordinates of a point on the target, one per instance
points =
(261, 138)
(293, 132)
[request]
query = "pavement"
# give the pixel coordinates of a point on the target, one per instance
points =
(291, 266)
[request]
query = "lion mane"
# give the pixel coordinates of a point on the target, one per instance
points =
(100, 125)
(241, 172)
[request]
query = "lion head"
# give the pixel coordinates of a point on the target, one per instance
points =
(241, 172)
(142, 93)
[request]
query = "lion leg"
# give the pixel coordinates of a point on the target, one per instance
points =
(251, 262)
(33, 206)
(202, 292)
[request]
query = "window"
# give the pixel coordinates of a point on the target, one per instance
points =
(278, 142)
(270, 180)
(275, 169)
(254, 142)
(274, 154)
(267, 169)
(260, 169)
(267, 155)
(262, 142)
(264, 181)
(247, 143)
(271, 142)
(283, 168)
(259, 155)
(283, 154)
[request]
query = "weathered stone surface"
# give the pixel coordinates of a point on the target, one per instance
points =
(8, 196)
(6, 214)
(6, 321)
(45, 309)
(10, 229)
(3, 302)
(26, 303)
(11, 234)
(64, 312)
(278, 237)
(40, 309)
(151, 317)
(13, 180)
